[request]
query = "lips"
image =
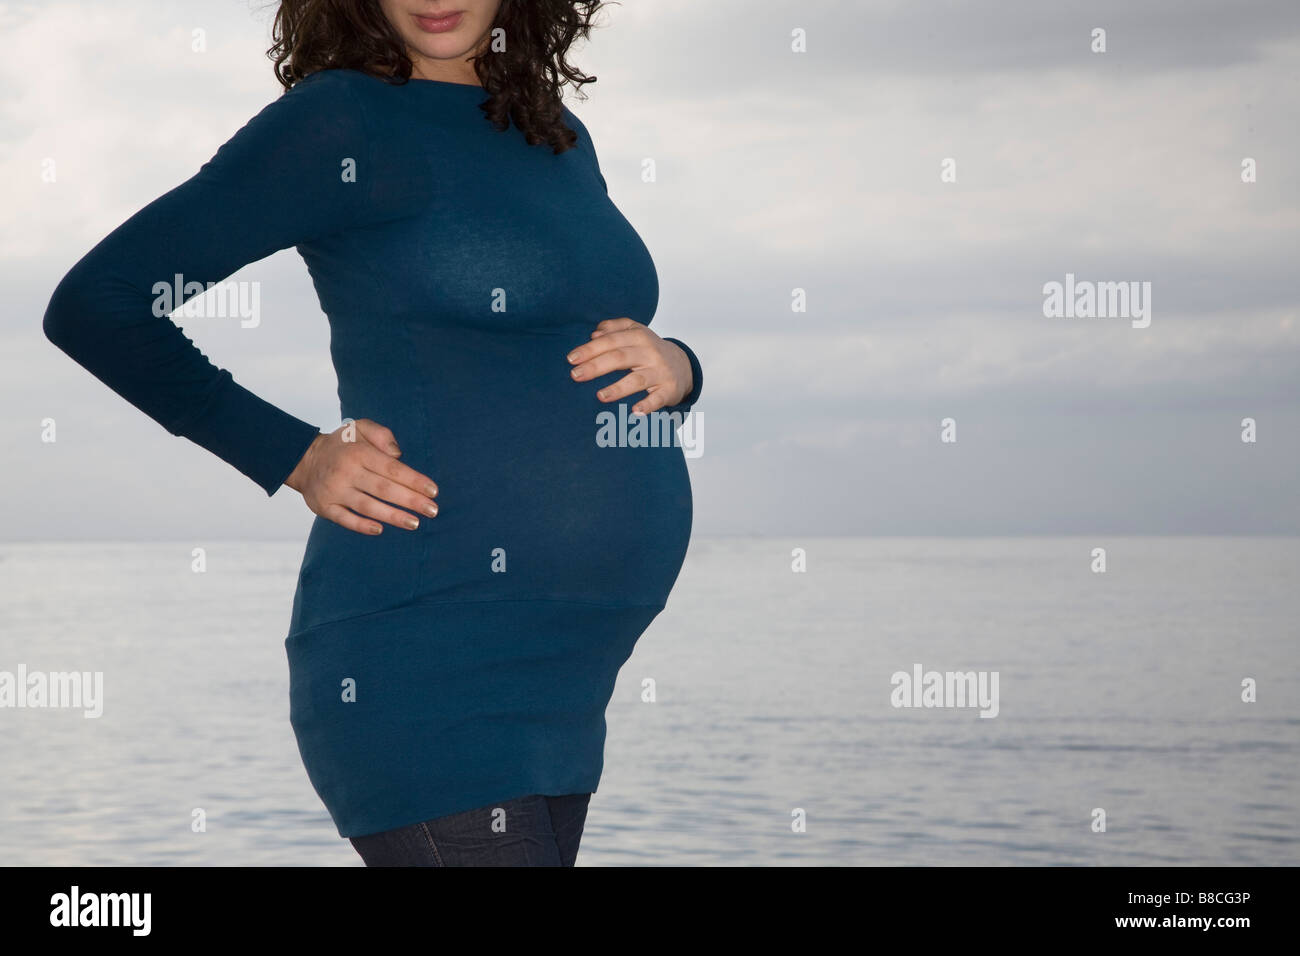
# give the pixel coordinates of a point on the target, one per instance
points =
(440, 23)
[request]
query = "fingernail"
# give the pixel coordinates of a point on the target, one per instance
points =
(572, 356)
(431, 510)
(375, 529)
(576, 373)
(392, 447)
(413, 523)
(430, 490)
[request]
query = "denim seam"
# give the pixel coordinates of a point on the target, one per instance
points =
(433, 847)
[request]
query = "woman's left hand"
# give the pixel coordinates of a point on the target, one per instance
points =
(654, 366)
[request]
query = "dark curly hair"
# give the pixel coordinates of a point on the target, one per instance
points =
(523, 83)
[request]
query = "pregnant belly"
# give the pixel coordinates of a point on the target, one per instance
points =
(532, 506)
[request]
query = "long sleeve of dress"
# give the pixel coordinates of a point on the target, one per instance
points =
(285, 178)
(697, 378)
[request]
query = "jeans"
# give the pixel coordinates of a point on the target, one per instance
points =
(527, 831)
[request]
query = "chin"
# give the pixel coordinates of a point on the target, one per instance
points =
(449, 48)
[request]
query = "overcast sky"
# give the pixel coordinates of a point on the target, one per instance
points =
(777, 170)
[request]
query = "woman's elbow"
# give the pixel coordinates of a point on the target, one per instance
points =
(65, 316)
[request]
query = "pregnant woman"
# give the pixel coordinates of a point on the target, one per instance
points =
(487, 303)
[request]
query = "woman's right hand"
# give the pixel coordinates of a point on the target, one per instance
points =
(352, 475)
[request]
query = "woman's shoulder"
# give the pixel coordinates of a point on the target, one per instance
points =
(340, 107)
(328, 87)
(574, 123)
(584, 146)
(339, 89)
(319, 116)
(320, 103)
